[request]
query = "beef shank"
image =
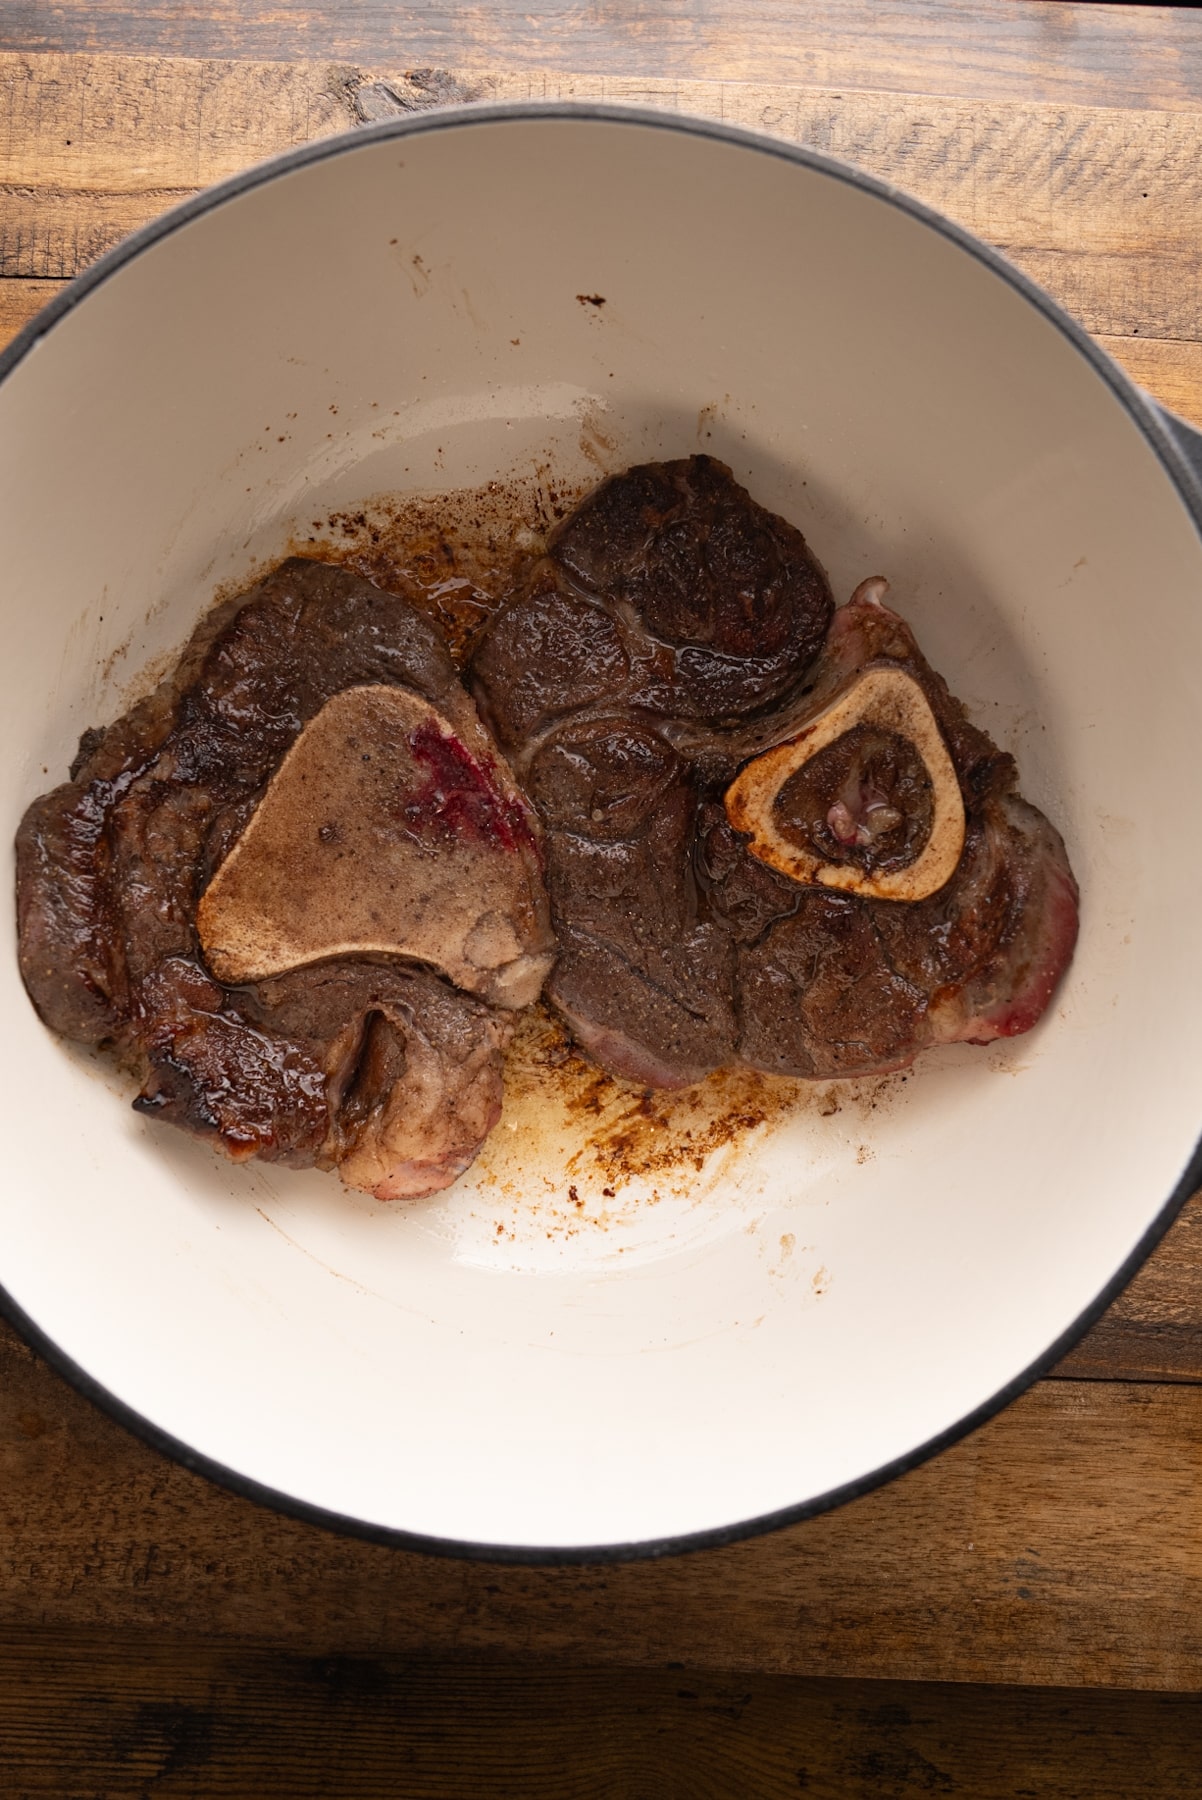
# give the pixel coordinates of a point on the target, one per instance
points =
(773, 836)
(314, 744)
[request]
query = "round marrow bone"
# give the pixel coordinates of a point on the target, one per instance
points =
(890, 699)
(386, 830)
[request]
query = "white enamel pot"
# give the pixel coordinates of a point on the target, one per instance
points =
(834, 1297)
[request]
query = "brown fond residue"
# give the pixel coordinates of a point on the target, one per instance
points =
(455, 554)
(585, 1146)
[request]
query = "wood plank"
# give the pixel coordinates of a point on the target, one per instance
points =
(1100, 205)
(19, 301)
(89, 1715)
(132, 125)
(1171, 370)
(1153, 1331)
(1058, 1545)
(1085, 54)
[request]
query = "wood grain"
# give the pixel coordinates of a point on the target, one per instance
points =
(1153, 1331)
(1058, 1545)
(20, 301)
(1169, 369)
(1024, 49)
(1100, 205)
(124, 1718)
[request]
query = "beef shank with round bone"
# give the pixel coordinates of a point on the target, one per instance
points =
(864, 797)
(348, 1052)
(910, 896)
(834, 982)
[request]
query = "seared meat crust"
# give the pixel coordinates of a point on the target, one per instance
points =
(381, 1069)
(674, 630)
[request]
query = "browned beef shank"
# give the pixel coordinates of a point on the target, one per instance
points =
(313, 751)
(773, 836)
(298, 890)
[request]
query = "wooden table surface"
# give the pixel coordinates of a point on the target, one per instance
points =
(1022, 1616)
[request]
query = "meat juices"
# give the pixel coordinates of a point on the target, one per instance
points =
(674, 633)
(357, 1059)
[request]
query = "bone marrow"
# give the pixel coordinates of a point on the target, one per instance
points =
(864, 798)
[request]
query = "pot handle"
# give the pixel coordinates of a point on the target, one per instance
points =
(1188, 440)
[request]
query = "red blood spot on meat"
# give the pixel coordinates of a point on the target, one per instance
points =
(459, 799)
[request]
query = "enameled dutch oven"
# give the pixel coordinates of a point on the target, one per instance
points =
(483, 295)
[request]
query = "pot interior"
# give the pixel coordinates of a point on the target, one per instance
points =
(532, 301)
